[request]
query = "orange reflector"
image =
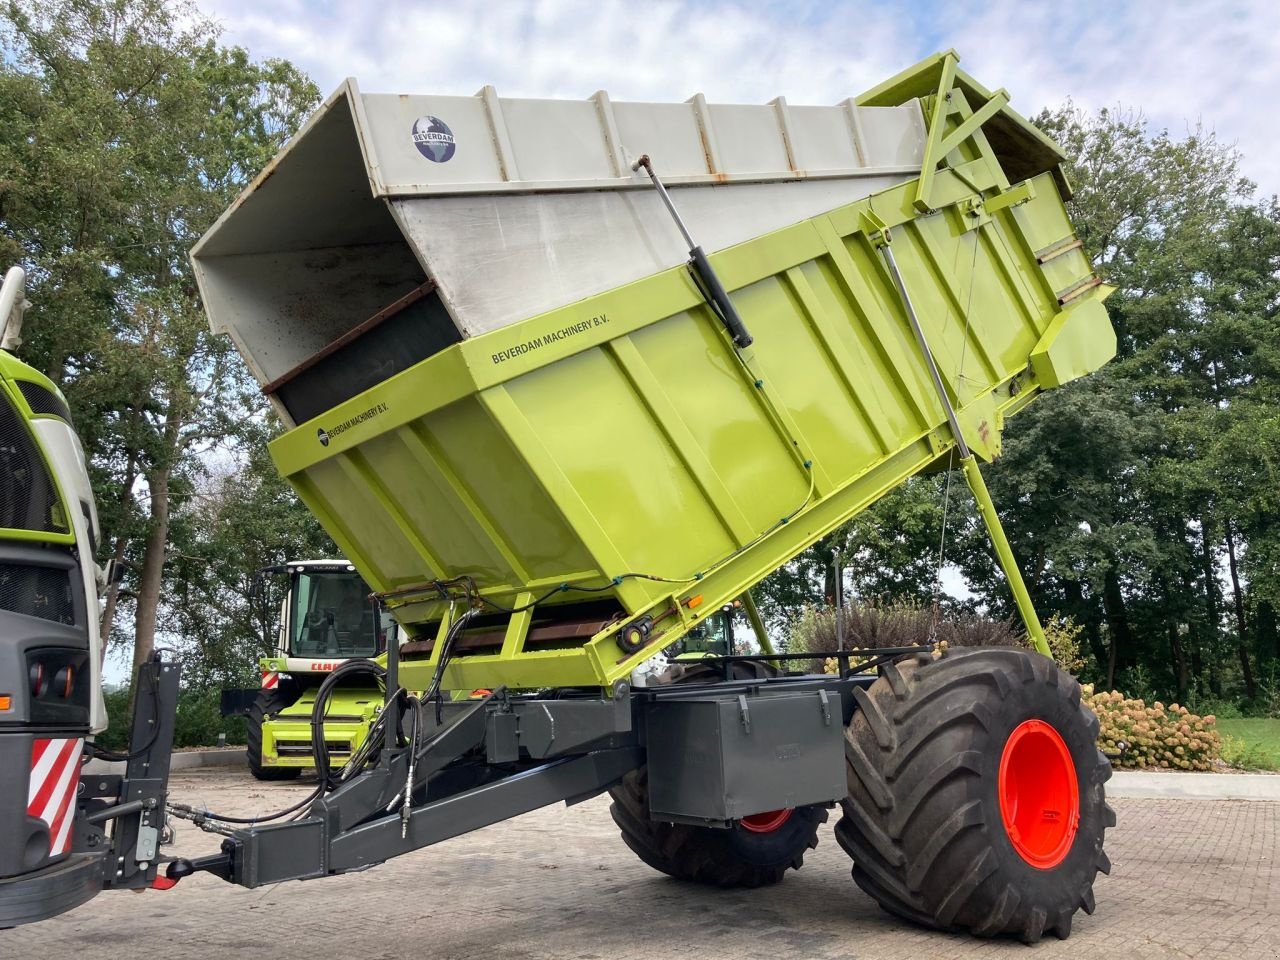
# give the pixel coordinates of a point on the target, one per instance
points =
(6, 701)
(694, 602)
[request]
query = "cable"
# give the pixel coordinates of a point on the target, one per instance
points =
(111, 757)
(446, 652)
(319, 747)
(946, 497)
(99, 754)
(190, 813)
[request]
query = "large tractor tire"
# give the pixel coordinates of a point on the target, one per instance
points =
(976, 799)
(756, 851)
(267, 703)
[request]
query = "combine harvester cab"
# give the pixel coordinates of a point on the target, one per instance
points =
(564, 378)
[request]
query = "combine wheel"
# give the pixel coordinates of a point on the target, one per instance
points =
(267, 703)
(756, 851)
(976, 797)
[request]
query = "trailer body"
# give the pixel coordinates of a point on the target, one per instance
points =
(486, 411)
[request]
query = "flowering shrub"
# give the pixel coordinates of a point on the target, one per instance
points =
(1158, 737)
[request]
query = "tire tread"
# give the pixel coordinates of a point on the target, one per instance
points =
(914, 822)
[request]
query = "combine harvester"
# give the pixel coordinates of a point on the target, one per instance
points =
(325, 619)
(565, 377)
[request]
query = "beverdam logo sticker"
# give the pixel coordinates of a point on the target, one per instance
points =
(324, 436)
(434, 139)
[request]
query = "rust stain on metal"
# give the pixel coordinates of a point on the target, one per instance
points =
(1077, 290)
(410, 298)
(580, 630)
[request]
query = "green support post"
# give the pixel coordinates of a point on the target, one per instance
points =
(757, 623)
(967, 461)
(1004, 554)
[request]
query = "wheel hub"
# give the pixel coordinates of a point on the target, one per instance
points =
(765, 822)
(1039, 794)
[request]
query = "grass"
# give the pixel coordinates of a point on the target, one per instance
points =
(1251, 744)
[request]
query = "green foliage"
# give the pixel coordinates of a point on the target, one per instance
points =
(1246, 755)
(1171, 738)
(198, 721)
(1063, 636)
(119, 718)
(1251, 744)
(1222, 709)
(1142, 501)
(125, 129)
(245, 519)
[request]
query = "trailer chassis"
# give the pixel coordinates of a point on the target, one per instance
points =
(491, 759)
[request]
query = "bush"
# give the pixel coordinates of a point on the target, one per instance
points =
(877, 626)
(874, 627)
(198, 722)
(1158, 737)
(1245, 756)
(1063, 636)
(116, 736)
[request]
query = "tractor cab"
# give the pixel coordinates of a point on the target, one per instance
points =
(326, 615)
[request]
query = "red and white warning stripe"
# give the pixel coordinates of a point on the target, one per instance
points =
(270, 679)
(51, 791)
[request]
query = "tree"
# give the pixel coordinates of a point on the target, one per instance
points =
(125, 129)
(235, 522)
(1142, 500)
(1138, 511)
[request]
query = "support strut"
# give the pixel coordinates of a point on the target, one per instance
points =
(707, 277)
(969, 464)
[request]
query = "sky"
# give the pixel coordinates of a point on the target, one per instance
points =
(1179, 63)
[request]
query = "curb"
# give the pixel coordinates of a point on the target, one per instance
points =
(187, 760)
(1141, 785)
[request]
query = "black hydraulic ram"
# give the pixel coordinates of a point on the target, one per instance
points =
(711, 286)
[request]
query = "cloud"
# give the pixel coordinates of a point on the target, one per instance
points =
(1179, 62)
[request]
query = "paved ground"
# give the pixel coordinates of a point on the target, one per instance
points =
(1191, 879)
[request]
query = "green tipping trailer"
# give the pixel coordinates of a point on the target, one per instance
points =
(613, 459)
(566, 378)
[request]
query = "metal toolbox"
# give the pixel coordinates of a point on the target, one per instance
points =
(713, 759)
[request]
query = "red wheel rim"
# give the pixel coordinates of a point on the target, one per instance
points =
(765, 822)
(1039, 794)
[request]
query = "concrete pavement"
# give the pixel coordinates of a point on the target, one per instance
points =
(1191, 879)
